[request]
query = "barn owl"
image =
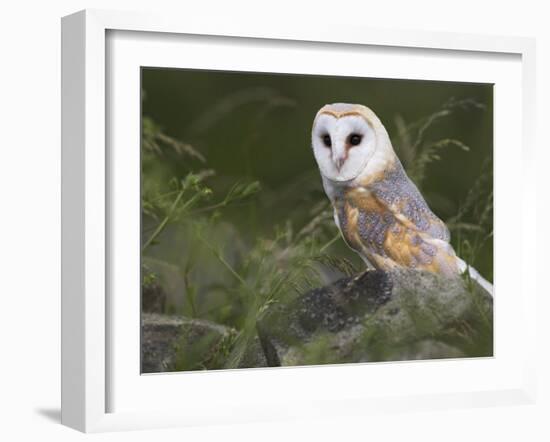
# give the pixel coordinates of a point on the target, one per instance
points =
(378, 209)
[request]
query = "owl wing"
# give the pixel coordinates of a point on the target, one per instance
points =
(400, 196)
(415, 237)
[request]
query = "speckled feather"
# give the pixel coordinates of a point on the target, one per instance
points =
(390, 225)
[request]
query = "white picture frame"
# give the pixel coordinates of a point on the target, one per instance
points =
(87, 207)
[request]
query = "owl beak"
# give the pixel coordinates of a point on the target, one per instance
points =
(339, 162)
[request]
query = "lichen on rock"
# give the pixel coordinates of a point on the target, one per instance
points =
(405, 315)
(177, 343)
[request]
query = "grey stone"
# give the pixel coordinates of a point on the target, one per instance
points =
(406, 315)
(375, 316)
(174, 343)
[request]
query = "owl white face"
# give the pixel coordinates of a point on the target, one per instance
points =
(342, 146)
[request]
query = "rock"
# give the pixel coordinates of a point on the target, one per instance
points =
(254, 355)
(376, 316)
(153, 296)
(379, 316)
(175, 343)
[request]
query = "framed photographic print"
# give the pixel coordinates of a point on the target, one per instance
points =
(252, 213)
(254, 254)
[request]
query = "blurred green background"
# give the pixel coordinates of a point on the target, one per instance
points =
(242, 142)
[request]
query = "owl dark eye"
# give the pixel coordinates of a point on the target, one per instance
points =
(327, 141)
(355, 139)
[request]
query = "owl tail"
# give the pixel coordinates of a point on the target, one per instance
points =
(474, 274)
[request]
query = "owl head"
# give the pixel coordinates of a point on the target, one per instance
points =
(346, 139)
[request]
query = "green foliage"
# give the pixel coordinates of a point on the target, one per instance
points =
(205, 242)
(413, 146)
(472, 224)
(207, 351)
(149, 278)
(155, 141)
(267, 271)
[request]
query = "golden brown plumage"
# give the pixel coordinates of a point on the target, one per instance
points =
(388, 238)
(394, 232)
